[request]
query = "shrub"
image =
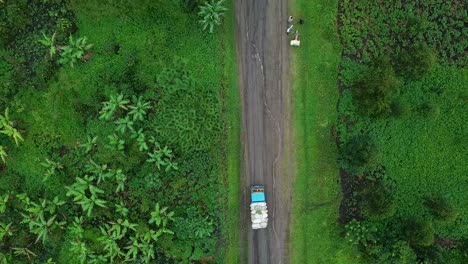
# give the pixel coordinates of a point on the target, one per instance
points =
(418, 233)
(416, 61)
(430, 110)
(360, 233)
(358, 155)
(377, 202)
(192, 5)
(372, 94)
(440, 207)
(400, 108)
(8, 86)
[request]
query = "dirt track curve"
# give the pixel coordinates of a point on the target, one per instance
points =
(262, 53)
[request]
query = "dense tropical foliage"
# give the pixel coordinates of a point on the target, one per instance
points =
(111, 140)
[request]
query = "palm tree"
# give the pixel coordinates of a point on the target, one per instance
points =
(211, 14)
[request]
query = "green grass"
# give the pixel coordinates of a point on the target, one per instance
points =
(315, 233)
(233, 123)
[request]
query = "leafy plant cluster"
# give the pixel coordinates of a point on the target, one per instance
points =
(22, 23)
(370, 29)
(123, 163)
(400, 106)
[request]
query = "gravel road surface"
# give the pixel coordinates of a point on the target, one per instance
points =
(262, 51)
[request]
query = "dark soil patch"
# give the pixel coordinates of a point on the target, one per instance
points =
(349, 207)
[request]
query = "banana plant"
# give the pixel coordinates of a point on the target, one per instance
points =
(80, 189)
(80, 250)
(50, 261)
(138, 108)
(74, 51)
(109, 239)
(51, 168)
(115, 143)
(76, 228)
(121, 209)
(5, 230)
(3, 154)
(140, 137)
(160, 216)
(100, 171)
(110, 107)
(3, 202)
(49, 42)
(6, 127)
(120, 178)
(123, 124)
(90, 144)
(43, 227)
(211, 14)
(162, 157)
(23, 251)
(140, 246)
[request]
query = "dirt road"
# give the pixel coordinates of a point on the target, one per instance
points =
(263, 68)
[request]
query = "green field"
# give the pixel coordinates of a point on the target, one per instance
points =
(118, 172)
(315, 232)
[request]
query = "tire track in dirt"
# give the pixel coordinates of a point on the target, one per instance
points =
(262, 53)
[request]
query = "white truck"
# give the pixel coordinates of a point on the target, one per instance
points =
(258, 207)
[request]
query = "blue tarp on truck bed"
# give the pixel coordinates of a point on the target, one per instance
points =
(258, 197)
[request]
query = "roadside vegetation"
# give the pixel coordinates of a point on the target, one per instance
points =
(315, 232)
(113, 119)
(401, 137)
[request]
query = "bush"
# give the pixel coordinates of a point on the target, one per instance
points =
(358, 155)
(430, 110)
(400, 108)
(413, 63)
(418, 233)
(192, 5)
(372, 94)
(377, 202)
(440, 207)
(360, 233)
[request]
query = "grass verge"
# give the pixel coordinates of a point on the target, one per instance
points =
(315, 233)
(233, 124)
